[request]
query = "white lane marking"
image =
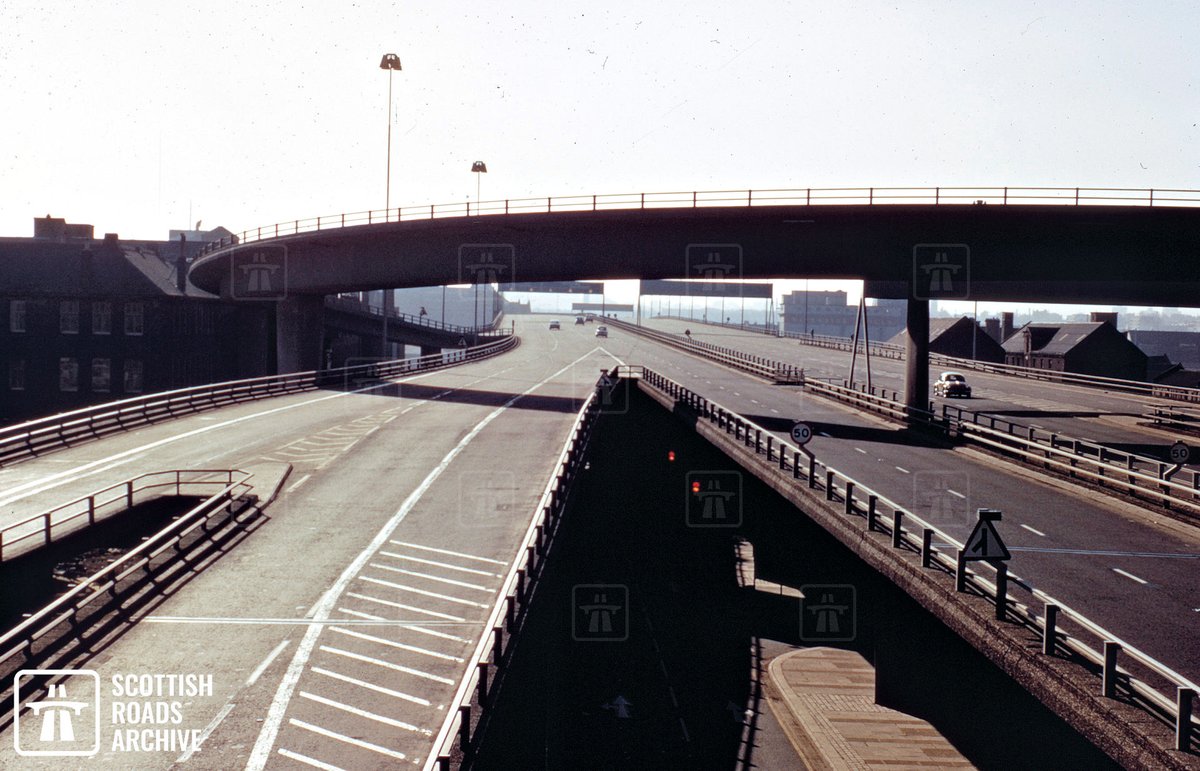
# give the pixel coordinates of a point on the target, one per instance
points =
(1130, 576)
(956, 493)
(363, 713)
(402, 606)
(446, 565)
(822, 433)
(856, 449)
(306, 760)
(755, 401)
(372, 686)
(207, 732)
(407, 625)
(343, 738)
(414, 590)
(257, 673)
(429, 577)
(1108, 553)
(735, 393)
(447, 551)
(299, 482)
(387, 665)
(397, 645)
(25, 490)
(903, 470)
(1034, 530)
(324, 606)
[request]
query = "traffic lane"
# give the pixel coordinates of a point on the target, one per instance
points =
(205, 440)
(315, 526)
(1072, 410)
(1069, 518)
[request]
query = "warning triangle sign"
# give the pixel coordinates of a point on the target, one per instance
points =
(462, 342)
(984, 543)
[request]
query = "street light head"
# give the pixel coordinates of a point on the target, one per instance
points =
(390, 62)
(479, 166)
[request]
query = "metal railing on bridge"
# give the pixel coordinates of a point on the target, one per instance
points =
(417, 320)
(54, 432)
(1154, 687)
(811, 196)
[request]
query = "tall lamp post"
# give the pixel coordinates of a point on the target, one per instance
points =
(479, 167)
(391, 63)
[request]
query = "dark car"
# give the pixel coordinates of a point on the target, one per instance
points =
(952, 384)
(555, 325)
(578, 320)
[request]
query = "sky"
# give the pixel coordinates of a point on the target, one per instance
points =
(139, 117)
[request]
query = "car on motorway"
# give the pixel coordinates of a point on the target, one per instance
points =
(952, 384)
(590, 318)
(578, 321)
(555, 325)
(601, 331)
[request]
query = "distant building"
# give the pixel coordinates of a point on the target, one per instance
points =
(86, 321)
(827, 313)
(952, 337)
(1087, 348)
(1180, 347)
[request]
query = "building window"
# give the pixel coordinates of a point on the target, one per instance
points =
(101, 375)
(16, 316)
(68, 374)
(133, 376)
(101, 318)
(68, 317)
(134, 318)
(16, 375)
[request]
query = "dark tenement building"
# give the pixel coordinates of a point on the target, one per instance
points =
(1087, 348)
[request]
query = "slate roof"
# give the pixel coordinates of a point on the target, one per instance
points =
(1052, 339)
(89, 268)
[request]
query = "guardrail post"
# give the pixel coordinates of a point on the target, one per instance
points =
(960, 571)
(497, 644)
(796, 465)
(510, 612)
(849, 507)
(1111, 649)
(483, 682)
(1050, 629)
(464, 727)
(129, 494)
(829, 485)
(770, 448)
(757, 441)
(46, 527)
(92, 509)
(812, 471)
(521, 584)
(1183, 718)
(926, 547)
(1001, 592)
(872, 504)
(782, 458)
(897, 528)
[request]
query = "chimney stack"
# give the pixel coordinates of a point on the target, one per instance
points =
(991, 327)
(1006, 325)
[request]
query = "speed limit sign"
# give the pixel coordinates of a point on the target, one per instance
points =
(801, 433)
(1180, 452)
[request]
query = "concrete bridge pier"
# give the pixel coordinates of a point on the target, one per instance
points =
(299, 327)
(916, 365)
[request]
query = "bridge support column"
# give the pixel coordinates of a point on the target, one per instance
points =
(299, 324)
(916, 366)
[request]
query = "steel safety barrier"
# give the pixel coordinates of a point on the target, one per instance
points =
(1155, 687)
(491, 655)
(54, 432)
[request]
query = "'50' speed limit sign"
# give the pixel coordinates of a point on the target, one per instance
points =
(801, 433)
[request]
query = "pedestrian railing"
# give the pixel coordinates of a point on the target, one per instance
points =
(1175, 417)
(1125, 672)
(46, 527)
(417, 320)
(36, 437)
(813, 196)
(486, 666)
(66, 614)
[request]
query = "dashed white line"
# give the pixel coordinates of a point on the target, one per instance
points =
(257, 673)
(1130, 576)
(903, 470)
(341, 738)
(372, 686)
(207, 732)
(364, 713)
(402, 606)
(775, 410)
(1034, 530)
(956, 493)
(299, 482)
(859, 449)
(822, 433)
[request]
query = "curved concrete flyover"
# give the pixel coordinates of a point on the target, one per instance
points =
(1120, 254)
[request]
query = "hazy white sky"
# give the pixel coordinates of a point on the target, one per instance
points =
(130, 115)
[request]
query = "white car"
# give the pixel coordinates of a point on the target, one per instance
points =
(555, 325)
(601, 331)
(952, 384)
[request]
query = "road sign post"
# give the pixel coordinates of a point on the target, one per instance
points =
(985, 543)
(1180, 453)
(801, 434)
